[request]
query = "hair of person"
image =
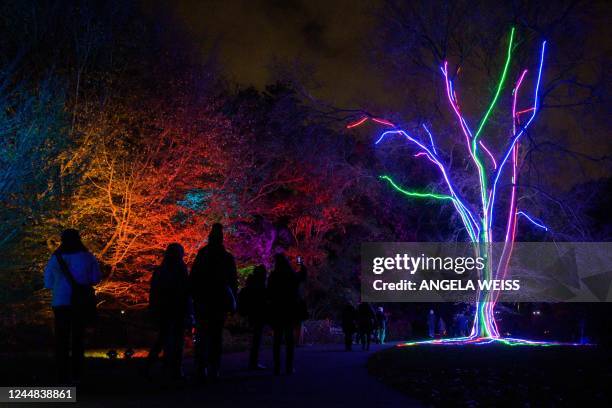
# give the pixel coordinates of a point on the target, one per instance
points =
(71, 242)
(173, 255)
(281, 264)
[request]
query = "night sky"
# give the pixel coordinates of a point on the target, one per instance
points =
(329, 38)
(329, 46)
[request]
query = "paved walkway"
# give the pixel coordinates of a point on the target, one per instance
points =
(326, 376)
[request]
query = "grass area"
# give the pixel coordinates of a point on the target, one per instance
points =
(494, 375)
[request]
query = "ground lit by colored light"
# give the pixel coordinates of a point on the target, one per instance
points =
(104, 353)
(508, 341)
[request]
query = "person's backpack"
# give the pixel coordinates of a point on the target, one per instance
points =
(83, 298)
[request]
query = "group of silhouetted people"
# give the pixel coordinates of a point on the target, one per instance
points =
(362, 324)
(179, 298)
(209, 293)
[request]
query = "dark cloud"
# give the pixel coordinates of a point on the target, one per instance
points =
(253, 34)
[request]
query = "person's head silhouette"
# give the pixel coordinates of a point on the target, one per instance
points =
(215, 237)
(259, 274)
(173, 254)
(281, 264)
(71, 242)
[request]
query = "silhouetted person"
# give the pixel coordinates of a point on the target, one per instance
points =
(70, 264)
(213, 284)
(253, 305)
(349, 325)
(381, 325)
(459, 327)
(365, 324)
(431, 324)
(464, 324)
(441, 327)
(169, 306)
(285, 308)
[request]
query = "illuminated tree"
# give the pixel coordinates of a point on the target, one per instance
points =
(150, 177)
(294, 175)
(478, 215)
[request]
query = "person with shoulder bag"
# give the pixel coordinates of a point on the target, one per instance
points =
(70, 274)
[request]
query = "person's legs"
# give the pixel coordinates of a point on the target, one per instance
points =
(168, 345)
(215, 347)
(298, 334)
(62, 341)
(290, 345)
(255, 345)
(383, 333)
(78, 347)
(348, 340)
(176, 342)
(156, 348)
(181, 345)
(276, 347)
(368, 339)
(362, 339)
(201, 347)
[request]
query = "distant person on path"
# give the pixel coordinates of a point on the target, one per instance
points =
(381, 325)
(349, 325)
(431, 324)
(252, 303)
(70, 265)
(169, 306)
(462, 324)
(213, 283)
(365, 324)
(441, 327)
(286, 309)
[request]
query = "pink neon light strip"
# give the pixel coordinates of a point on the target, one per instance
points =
(358, 123)
(489, 153)
(383, 122)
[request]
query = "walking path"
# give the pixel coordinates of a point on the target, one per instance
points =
(326, 376)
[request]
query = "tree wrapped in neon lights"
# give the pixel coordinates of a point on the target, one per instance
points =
(478, 218)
